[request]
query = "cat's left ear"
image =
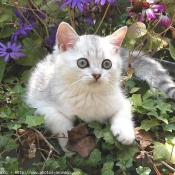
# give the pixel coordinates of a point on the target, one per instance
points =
(117, 37)
(66, 37)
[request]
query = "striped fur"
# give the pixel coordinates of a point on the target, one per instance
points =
(149, 70)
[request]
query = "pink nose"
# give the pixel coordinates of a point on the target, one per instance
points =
(96, 76)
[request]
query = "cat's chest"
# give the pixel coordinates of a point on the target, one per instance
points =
(93, 106)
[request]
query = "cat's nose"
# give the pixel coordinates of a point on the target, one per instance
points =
(96, 76)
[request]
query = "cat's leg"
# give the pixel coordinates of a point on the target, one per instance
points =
(57, 123)
(122, 125)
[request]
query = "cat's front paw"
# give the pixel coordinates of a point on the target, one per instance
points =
(124, 134)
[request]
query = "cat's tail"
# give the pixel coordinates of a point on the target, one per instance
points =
(148, 69)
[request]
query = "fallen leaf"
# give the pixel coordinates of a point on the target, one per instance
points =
(173, 31)
(78, 132)
(21, 131)
(144, 137)
(141, 155)
(79, 141)
(32, 150)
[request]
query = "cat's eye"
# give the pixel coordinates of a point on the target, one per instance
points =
(82, 63)
(106, 64)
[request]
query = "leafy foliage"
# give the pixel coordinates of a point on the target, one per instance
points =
(23, 137)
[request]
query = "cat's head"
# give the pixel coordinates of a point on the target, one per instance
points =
(88, 60)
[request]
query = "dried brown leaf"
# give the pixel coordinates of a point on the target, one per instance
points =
(83, 146)
(79, 141)
(78, 132)
(144, 137)
(32, 150)
(173, 31)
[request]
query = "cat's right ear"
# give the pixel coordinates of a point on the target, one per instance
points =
(66, 37)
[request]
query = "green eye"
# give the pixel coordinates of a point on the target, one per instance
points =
(82, 63)
(106, 64)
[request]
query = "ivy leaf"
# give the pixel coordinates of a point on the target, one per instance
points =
(169, 127)
(109, 138)
(148, 104)
(148, 124)
(91, 161)
(143, 170)
(160, 151)
(11, 165)
(7, 143)
(18, 89)
(107, 168)
(6, 113)
(34, 120)
(123, 164)
(128, 152)
(136, 98)
(78, 171)
(23, 111)
(163, 107)
(98, 131)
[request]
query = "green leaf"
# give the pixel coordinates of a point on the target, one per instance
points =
(62, 162)
(135, 89)
(34, 120)
(160, 151)
(172, 50)
(97, 129)
(143, 170)
(148, 124)
(91, 161)
(51, 164)
(123, 164)
(6, 113)
(51, 6)
(107, 168)
(33, 52)
(148, 104)
(23, 111)
(78, 171)
(163, 107)
(128, 152)
(136, 98)
(10, 145)
(17, 89)
(169, 127)
(6, 32)
(2, 67)
(17, 126)
(137, 30)
(109, 138)
(7, 143)
(11, 165)
(5, 17)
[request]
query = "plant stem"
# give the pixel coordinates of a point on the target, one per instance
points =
(107, 8)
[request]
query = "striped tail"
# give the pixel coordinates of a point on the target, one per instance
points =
(148, 69)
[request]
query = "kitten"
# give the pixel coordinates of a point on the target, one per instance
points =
(82, 77)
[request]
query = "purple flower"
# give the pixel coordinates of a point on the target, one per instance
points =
(152, 11)
(50, 41)
(22, 30)
(11, 50)
(164, 20)
(103, 1)
(149, 13)
(74, 3)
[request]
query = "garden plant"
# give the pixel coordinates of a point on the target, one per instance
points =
(27, 34)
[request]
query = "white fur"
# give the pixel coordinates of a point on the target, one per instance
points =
(61, 90)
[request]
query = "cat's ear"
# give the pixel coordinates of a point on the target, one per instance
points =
(117, 37)
(66, 37)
